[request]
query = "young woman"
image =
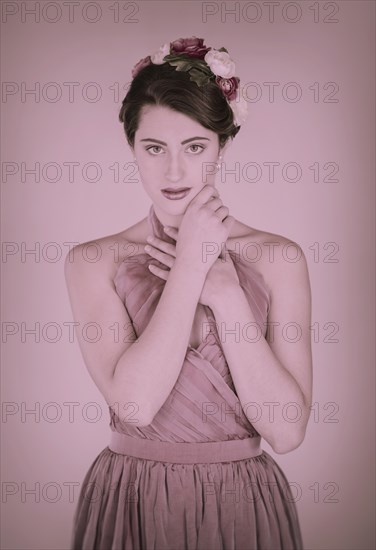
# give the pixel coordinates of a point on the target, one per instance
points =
(202, 368)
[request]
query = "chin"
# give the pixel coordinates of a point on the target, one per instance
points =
(177, 208)
(174, 207)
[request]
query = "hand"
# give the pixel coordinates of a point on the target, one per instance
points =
(205, 225)
(221, 275)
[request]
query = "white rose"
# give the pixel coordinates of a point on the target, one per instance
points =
(239, 107)
(157, 57)
(220, 63)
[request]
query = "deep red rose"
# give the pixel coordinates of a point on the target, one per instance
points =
(140, 65)
(193, 47)
(228, 86)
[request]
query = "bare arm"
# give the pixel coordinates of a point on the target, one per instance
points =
(273, 375)
(141, 372)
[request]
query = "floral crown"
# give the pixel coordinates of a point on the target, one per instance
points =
(203, 65)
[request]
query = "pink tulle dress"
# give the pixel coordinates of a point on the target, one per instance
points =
(196, 478)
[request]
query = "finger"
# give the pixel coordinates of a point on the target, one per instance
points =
(165, 259)
(159, 272)
(204, 195)
(222, 212)
(171, 231)
(214, 203)
(169, 248)
(228, 222)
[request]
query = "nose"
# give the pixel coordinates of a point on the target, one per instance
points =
(174, 168)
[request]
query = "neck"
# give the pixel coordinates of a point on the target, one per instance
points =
(166, 218)
(157, 221)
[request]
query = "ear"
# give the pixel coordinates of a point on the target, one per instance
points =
(222, 150)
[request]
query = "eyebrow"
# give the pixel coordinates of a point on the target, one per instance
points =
(183, 142)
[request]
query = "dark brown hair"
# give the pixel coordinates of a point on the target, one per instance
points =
(164, 85)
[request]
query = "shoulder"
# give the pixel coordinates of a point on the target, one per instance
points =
(103, 255)
(278, 258)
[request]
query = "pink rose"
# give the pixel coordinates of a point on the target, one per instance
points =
(239, 108)
(140, 65)
(193, 47)
(228, 86)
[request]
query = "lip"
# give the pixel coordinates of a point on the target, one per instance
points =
(175, 194)
(177, 190)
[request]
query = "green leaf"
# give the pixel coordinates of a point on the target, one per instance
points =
(181, 65)
(200, 69)
(199, 77)
(175, 57)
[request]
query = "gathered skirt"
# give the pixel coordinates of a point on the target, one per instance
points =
(133, 503)
(196, 477)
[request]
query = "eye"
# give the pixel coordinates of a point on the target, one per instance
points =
(153, 151)
(196, 148)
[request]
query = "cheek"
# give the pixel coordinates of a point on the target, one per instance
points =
(150, 176)
(207, 171)
(146, 167)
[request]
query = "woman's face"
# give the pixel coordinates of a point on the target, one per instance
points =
(174, 151)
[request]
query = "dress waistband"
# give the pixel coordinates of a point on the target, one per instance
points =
(188, 453)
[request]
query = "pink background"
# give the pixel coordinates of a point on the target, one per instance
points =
(336, 457)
